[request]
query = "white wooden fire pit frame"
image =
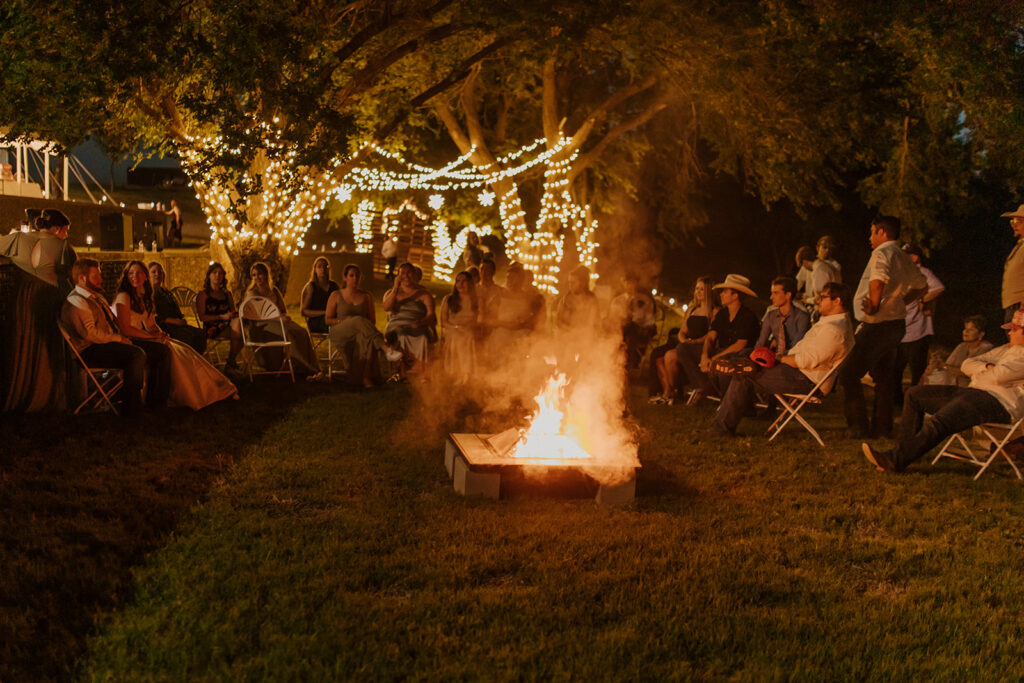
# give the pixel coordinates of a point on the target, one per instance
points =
(476, 470)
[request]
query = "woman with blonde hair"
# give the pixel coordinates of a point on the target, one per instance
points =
(316, 293)
(696, 324)
(303, 354)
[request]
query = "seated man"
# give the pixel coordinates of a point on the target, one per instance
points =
(733, 329)
(993, 396)
(797, 372)
(783, 324)
(89, 322)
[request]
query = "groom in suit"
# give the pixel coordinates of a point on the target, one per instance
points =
(91, 325)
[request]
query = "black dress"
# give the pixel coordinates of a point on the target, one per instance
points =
(167, 307)
(318, 302)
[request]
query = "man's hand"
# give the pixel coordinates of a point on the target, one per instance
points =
(705, 364)
(867, 307)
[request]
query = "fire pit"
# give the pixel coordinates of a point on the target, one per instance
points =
(478, 463)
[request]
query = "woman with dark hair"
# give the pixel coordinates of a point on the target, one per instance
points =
(33, 367)
(168, 314)
(352, 321)
(459, 318)
(217, 312)
(316, 293)
(193, 381)
(411, 317)
(303, 354)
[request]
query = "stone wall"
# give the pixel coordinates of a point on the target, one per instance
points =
(183, 267)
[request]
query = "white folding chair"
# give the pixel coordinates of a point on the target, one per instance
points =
(990, 439)
(101, 383)
(258, 309)
(186, 300)
(792, 404)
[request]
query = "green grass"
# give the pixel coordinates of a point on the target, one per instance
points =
(335, 547)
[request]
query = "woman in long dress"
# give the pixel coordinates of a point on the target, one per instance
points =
(352, 325)
(459, 317)
(411, 318)
(194, 382)
(33, 367)
(303, 353)
(216, 310)
(696, 324)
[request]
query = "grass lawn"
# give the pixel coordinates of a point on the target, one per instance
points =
(327, 543)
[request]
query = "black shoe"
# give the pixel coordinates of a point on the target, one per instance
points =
(880, 459)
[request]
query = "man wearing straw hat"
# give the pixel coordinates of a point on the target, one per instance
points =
(1013, 271)
(890, 280)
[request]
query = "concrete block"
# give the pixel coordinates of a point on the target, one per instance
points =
(449, 457)
(617, 494)
(470, 483)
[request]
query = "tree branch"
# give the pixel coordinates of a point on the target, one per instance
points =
(549, 102)
(585, 160)
(620, 96)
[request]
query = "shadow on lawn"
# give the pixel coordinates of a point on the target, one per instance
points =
(84, 499)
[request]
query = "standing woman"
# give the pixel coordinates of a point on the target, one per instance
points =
(217, 312)
(459, 317)
(303, 353)
(410, 317)
(174, 229)
(352, 320)
(33, 373)
(193, 381)
(695, 327)
(315, 295)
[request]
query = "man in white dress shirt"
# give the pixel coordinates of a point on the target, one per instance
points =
(890, 280)
(806, 364)
(995, 394)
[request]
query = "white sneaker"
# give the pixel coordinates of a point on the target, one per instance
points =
(393, 355)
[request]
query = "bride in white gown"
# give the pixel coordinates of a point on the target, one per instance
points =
(194, 382)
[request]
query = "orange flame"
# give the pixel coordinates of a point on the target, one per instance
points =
(546, 437)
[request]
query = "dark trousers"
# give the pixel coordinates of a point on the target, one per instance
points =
(874, 350)
(953, 409)
(914, 354)
(193, 336)
(158, 372)
(689, 363)
(635, 338)
(131, 360)
(742, 392)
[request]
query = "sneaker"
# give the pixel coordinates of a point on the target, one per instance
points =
(880, 459)
(393, 355)
(657, 400)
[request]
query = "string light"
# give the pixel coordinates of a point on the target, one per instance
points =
(435, 202)
(486, 198)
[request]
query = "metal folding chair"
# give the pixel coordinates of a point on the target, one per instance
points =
(186, 300)
(258, 309)
(101, 383)
(990, 441)
(792, 404)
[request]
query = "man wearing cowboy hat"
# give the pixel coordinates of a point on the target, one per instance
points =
(889, 281)
(1013, 271)
(994, 395)
(734, 328)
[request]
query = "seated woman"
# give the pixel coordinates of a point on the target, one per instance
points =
(411, 318)
(303, 354)
(194, 382)
(459, 316)
(217, 312)
(689, 340)
(315, 295)
(168, 314)
(352, 323)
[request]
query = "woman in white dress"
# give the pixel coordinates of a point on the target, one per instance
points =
(194, 382)
(459, 317)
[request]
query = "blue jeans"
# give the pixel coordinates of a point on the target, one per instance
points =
(743, 391)
(953, 409)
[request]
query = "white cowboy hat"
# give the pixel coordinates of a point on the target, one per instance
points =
(736, 282)
(1019, 213)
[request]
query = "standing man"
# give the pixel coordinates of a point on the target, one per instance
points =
(1013, 271)
(889, 281)
(994, 395)
(802, 367)
(87, 318)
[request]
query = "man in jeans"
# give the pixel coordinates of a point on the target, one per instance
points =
(995, 394)
(890, 280)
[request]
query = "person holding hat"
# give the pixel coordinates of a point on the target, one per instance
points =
(890, 281)
(994, 395)
(1013, 270)
(734, 328)
(799, 369)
